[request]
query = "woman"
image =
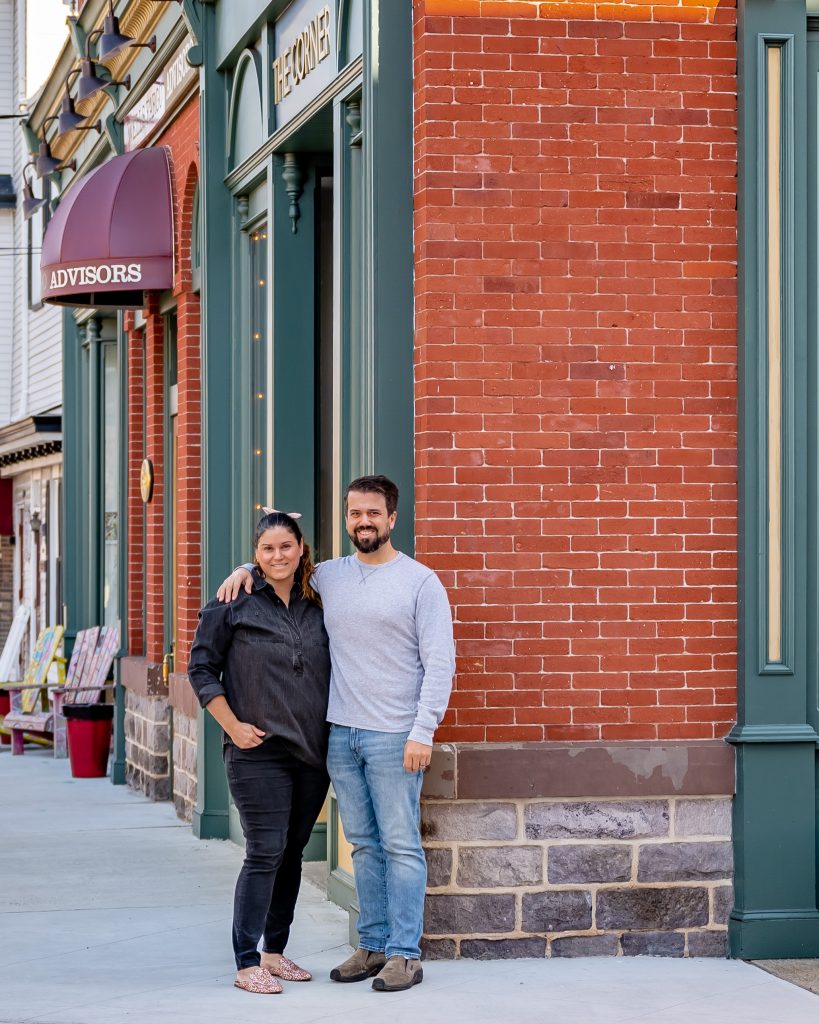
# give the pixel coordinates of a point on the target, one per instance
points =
(261, 666)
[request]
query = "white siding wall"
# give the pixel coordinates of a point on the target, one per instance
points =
(8, 104)
(31, 346)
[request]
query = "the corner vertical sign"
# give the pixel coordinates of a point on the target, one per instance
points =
(306, 57)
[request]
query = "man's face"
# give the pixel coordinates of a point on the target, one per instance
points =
(368, 525)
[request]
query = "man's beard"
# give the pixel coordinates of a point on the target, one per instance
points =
(372, 542)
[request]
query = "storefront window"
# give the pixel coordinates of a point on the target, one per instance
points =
(258, 367)
(110, 493)
(196, 240)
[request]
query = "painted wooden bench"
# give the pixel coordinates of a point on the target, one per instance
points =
(26, 694)
(10, 658)
(84, 683)
(85, 646)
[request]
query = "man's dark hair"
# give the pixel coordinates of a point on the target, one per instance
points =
(375, 485)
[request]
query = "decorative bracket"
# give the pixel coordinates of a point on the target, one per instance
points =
(243, 207)
(353, 118)
(194, 19)
(77, 35)
(115, 134)
(293, 186)
(31, 137)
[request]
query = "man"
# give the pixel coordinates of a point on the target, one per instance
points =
(393, 658)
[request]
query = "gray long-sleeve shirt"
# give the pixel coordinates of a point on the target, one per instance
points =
(392, 653)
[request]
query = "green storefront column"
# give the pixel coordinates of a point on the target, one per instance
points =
(210, 816)
(294, 346)
(118, 758)
(77, 590)
(388, 248)
(775, 911)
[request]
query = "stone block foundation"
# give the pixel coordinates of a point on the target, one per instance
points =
(184, 764)
(148, 745)
(590, 877)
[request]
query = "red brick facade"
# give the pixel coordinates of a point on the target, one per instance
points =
(147, 412)
(575, 228)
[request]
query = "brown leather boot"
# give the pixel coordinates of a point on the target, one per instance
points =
(363, 964)
(398, 974)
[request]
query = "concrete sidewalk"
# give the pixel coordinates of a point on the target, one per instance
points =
(111, 912)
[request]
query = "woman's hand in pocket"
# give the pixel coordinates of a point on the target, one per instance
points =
(245, 735)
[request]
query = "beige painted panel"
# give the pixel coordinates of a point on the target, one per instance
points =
(345, 850)
(774, 297)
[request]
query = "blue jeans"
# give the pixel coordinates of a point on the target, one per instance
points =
(380, 807)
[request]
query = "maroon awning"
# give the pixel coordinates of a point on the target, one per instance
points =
(111, 239)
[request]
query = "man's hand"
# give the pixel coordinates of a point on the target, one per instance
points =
(233, 584)
(416, 756)
(245, 735)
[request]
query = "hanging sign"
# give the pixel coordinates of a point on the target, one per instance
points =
(306, 57)
(146, 480)
(160, 99)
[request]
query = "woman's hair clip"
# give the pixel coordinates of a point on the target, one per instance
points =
(270, 511)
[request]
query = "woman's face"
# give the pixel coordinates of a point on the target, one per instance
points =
(278, 553)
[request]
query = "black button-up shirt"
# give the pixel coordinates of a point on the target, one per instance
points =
(272, 664)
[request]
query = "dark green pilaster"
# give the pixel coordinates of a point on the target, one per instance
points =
(775, 911)
(118, 759)
(76, 585)
(210, 817)
(294, 347)
(388, 251)
(94, 480)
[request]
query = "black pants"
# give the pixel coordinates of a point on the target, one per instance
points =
(278, 798)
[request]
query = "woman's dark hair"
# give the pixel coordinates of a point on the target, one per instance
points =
(304, 572)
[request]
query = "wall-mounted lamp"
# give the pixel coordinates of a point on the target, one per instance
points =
(31, 204)
(68, 120)
(35, 522)
(46, 162)
(89, 83)
(113, 42)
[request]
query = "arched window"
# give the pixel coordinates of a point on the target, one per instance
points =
(196, 239)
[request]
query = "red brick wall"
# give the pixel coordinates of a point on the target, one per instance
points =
(136, 509)
(147, 412)
(575, 234)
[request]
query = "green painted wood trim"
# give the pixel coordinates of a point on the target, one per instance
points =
(785, 43)
(93, 487)
(239, 24)
(763, 698)
(388, 246)
(316, 848)
(118, 759)
(293, 333)
(194, 20)
(775, 806)
(774, 938)
(279, 141)
(75, 473)
(341, 891)
(773, 733)
(812, 474)
(210, 818)
(340, 883)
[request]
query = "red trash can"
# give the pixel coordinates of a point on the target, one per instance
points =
(5, 707)
(89, 738)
